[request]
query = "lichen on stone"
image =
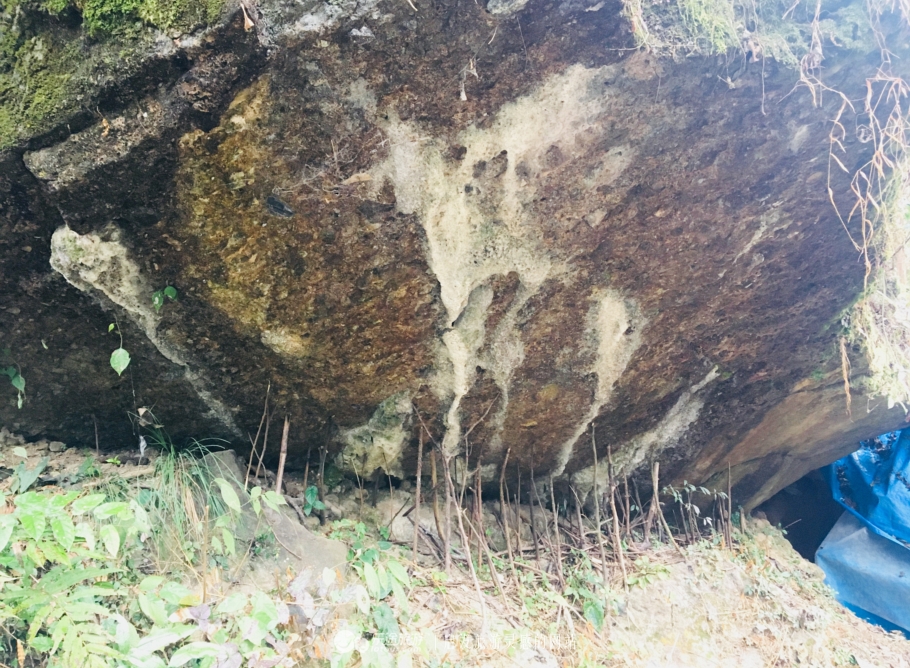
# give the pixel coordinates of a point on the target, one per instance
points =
(379, 443)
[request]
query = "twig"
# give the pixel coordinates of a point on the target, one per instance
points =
(450, 494)
(581, 527)
(464, 537)
(283, 454)
(293, 503)
(265, 440)
(600, 535)
(306, 471)
(562, 579)
(417, 491)
(534, 536)
(97, 444)
(617, 538)
(655, 472)
(265, 410)
(320, 481)
(503, 515)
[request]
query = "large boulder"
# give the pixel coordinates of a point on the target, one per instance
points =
(506, 227)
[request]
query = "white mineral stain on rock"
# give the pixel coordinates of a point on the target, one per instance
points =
(479, 218)
(615, 324)
(99, 264)
(668, 432)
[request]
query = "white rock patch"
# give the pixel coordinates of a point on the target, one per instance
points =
(101, 266)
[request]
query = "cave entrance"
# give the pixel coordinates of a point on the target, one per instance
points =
(806, 511)
(852, 518)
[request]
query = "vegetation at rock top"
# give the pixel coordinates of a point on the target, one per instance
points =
(55, 54)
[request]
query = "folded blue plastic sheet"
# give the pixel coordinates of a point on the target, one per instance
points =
(870, 574)
(866, 556)
(874, 484)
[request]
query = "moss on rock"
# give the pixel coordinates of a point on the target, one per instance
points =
(55, 55)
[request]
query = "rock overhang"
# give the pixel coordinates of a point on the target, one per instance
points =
(523, 240)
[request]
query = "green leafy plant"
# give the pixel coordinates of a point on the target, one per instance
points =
(385, 581)
(159, 297)
(17, 381)
(26, 477)
(72, 595)
(585, 588)
(311, 500)
(120, 358)
(646, 572)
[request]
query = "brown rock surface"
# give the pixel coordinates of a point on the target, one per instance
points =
(514, 222)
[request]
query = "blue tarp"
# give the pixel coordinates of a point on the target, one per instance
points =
(866, 556)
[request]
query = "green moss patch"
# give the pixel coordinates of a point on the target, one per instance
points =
(51, 64)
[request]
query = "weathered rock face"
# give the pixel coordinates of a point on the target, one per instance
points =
(506, 225)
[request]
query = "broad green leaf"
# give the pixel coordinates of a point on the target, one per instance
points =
(399, 572)
(54, 552)
(110, 328)
(151, 583)
(34, 553)
(125, 634)
(119, 509)
(230, 497)
(159, 638)
(60, 579)
(232, 604)
(264, 612)
(400, 595)
(140, 518)
(60, 501)
(19, 451)
(120, 359)
(86, 503)
(386, 623)
(193, 650)
(38, 621)
(158, 299)
(7, 524)
(594, 613)
(273, 500)
(170, 292)
(41, 644)
(64, 531)
(174, 592)
(229, 543)
(153, 608)
(110, 537)
(372, 580)
(27, 477)
(18, 382)
(86, 533)
(85, 612)
(34, 524)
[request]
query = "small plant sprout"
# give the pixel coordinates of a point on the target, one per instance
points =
(311, 500)
(120, 358)
(15, 378)
(17, 381)
(159, 296)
